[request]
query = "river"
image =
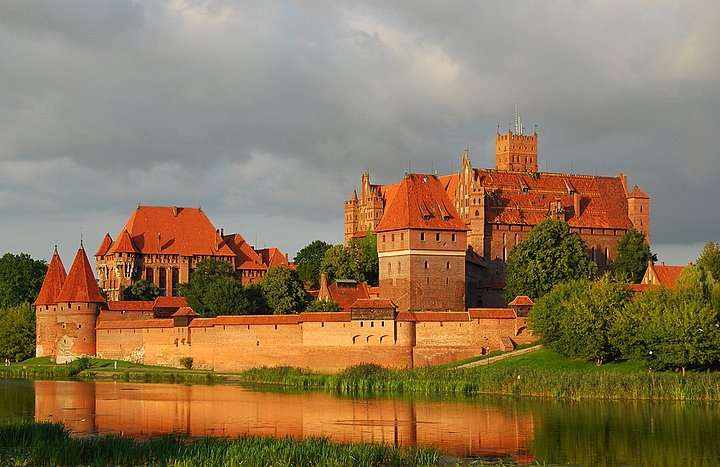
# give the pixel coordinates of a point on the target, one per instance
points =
(554, 432)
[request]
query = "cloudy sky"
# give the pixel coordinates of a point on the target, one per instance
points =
(266, 113)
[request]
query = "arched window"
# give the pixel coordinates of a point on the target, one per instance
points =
(427, 265)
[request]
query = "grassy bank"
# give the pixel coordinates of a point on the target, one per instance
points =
(543, 373)
(51, 444)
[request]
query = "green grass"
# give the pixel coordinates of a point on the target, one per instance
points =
(549, 360)
(31, 443)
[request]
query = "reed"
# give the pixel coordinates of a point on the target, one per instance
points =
(31, 443)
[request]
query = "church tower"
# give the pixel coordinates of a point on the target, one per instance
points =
(46, 307)
(78, 306)
(515, 151)
(639, 211)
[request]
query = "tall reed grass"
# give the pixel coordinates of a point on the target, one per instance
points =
(30, 443)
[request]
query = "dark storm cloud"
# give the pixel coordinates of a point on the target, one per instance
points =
(266, 113)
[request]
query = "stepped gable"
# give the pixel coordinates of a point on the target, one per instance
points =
(123, 244)
(53, 282)
(524, 198)
(273, 257)
(173, 230)
(80, 284)
(245, 256)
(420, 202)
(104, 245)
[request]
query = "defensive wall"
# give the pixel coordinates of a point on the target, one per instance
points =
(324, 341)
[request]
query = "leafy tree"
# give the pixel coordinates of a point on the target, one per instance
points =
(308, 262)
(710, 259)
(550, 254)
(141, 290)
(256, 303)
(17, 332)
(365, 254)
(225, 296)
(207, 273)
(549, 311)
(586, 327)
(632, 257)
(338, 263)
(20, 279)
(323, 305)
(283, 290)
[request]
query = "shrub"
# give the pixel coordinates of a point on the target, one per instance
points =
(186, 362)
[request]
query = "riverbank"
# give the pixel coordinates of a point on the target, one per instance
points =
(32, 443)
(542, 373)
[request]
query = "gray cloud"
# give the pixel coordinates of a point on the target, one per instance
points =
(265, 114)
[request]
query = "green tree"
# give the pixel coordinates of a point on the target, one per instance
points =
(17, 332)
(256, 301)
(550, 254)
(206, 274)
(338, 263)
(709, 259)
(549, 311)
(365, 254)
(224, 296)
(323, 305)
(308, 262)
(283, 290)
(633, 254)
(20, 279)
(141, 290)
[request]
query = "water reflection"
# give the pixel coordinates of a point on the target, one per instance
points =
(461, 429)
(553, 432)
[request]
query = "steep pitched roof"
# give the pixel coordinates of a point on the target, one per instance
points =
(176, 231)
(522, 300)
(524, 198)
(346, 293)
(53, 282)
(104, 245)
(420, 203)
(123, 244)
(273, 257)
(638, 193)
(660, 274)
(185, 311)
(245, 257)
(80, 284)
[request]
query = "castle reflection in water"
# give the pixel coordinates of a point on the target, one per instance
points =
(461, 429)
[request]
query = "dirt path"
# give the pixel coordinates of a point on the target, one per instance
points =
(490, 360)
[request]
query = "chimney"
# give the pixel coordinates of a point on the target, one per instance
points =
(324, 293)
(175, 211)
(576, 202)
(222, 231)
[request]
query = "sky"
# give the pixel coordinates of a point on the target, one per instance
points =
(265, 114)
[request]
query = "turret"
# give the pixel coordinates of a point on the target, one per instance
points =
(46, 307)
(516, 151)
(351, 217)
(639, 211)
(78, 306)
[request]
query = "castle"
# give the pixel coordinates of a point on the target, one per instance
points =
(163, 244)
(442, 243)
(497, 209)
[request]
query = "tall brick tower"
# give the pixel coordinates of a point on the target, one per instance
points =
(421, 247)
(639, 211)
(78, 306)
(46, 307)
(516, 152)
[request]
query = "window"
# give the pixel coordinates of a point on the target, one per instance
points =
(447, 265)
(422, 236)
(402, 236)
(452, 237)
(437, 237)
(392, 237)
(427, 266)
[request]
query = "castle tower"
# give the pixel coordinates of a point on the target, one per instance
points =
(46, 307)
(421, 248)
(118, 266)
(78, 306)
(351, 217)
(639, 211)
(515, 151)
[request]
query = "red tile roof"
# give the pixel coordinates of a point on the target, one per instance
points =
(666, 275)
(273, 257)
(80, 284)
(435, 316)
(346, 293)
(123, 244)
(522, 300)
(324, 316)
(169, 302)
(136, 324)
(245, 257)
(185, 311)
(256, 319)
(524, 198)
(104, 245)
(638, 193)
(127, 305)
(420, 203)
(175, 231)
(53, 282)
(492, 313)
(373, 303)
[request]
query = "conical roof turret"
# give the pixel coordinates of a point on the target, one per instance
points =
(80, 284)
(104, 245)
(53, 282)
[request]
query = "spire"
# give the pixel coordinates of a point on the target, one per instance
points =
(80, 284)
(123, 244)
(53, 282)
(104, 245)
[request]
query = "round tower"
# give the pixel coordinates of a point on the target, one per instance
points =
(46, 307)
(78, 306)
